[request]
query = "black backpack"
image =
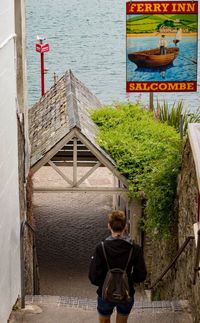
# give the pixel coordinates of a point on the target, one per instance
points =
(116, 287)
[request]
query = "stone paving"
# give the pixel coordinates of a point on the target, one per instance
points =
(55, 309)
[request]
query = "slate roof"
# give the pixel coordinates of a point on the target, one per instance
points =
(65, 106)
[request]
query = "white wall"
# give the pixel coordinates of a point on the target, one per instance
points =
(9, 191)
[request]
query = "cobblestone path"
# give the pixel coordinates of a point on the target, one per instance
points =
(68, 225)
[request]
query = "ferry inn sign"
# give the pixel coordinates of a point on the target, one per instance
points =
(161, 46)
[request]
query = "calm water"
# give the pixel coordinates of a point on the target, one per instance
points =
(88, 37)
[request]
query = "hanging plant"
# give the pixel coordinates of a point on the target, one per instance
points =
(148, 153)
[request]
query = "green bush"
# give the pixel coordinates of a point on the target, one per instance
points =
(147, 152)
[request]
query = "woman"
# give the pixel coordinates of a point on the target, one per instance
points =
(117, 247)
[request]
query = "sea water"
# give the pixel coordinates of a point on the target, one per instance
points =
(88, 37)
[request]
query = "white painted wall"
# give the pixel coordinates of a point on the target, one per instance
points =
(9, 192)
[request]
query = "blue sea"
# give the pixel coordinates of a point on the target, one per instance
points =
(88, 37)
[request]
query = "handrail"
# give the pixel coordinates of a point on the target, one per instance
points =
(181, 249)
(197, 259)
(22, 227)
(35, 263)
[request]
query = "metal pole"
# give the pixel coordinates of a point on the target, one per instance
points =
(42, 74)
(22, 264)
(181, 126)
(198, 208)
(42, 48)
(197, 259)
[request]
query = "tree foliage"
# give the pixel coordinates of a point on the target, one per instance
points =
(147, 152)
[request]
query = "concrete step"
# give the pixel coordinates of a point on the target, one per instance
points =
(61, 309)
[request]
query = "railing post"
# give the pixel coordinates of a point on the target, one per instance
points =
(197, 259)
(22, 264)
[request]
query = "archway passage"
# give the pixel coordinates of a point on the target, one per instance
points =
(68, 227)
(67, 233)
(74, 184)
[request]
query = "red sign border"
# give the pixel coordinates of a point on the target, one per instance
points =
(187, 86)
(146, 3)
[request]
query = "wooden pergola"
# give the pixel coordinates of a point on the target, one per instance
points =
(63, 134)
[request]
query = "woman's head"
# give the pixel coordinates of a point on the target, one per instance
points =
(117, 221)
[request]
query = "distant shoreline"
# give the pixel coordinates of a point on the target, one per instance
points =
(157, 34)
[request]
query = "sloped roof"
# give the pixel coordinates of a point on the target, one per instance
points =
(65, 106)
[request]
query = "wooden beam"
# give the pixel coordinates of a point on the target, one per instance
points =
(80, 189)
(60, 172)
(75, 162)
(52, 152)
(92, 170)
(70, 158)
(69, 150)
(114, 196)
(101, 157)
(67, 163)
(126, 198)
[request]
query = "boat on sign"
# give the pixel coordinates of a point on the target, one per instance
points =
(152, 57)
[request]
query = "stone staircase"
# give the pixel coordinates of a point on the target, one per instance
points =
(62, 309)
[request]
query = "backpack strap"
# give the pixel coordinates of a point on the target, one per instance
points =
(129, 257)
(104, 252)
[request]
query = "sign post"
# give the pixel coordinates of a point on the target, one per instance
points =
(151, 107)
(42, 48)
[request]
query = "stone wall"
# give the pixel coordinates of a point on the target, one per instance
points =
(25, 198)
(187, 197)
(177, 284)
(23, 142)
(158, 255)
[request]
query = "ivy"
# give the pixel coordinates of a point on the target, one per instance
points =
(148, 153)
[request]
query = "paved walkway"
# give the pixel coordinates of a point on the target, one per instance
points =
(56, 309)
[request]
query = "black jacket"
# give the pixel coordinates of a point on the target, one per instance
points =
(117, 251)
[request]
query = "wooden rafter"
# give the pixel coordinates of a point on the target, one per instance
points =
(101, 158)
(90, 172)
(75, 162)
(80, 189)
(76, 136)
(52, 152)
(56, 168)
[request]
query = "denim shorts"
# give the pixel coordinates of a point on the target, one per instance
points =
(105, 308)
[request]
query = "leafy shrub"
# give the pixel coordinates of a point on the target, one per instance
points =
(147, 152)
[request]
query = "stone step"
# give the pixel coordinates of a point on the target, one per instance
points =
(63, 309)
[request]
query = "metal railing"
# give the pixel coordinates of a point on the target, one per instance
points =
(36, 288)
(181, 249)
(197, 259)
